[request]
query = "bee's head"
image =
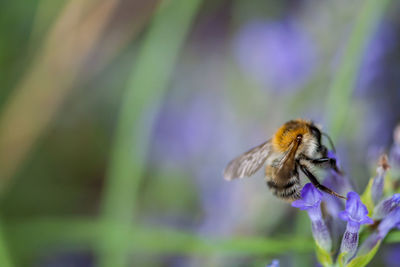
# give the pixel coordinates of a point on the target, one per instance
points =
(311, 144)
(315, 147)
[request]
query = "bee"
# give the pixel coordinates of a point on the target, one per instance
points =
(296, 146)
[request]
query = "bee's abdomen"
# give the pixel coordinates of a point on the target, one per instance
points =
(289, 191)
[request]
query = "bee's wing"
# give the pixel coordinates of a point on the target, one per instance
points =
(288, 162)
(248, 163)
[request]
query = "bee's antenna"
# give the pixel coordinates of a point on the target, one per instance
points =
(330, 141)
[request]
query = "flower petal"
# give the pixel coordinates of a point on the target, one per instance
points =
(356, 211)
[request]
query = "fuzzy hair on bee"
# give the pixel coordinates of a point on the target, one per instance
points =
(295, 147)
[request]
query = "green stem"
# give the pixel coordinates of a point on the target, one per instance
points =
(340, 93)
(5, 259)
(81, 233)
(141, 101)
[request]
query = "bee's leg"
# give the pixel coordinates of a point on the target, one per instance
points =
(327, 163)
(323, 163)
(315, 182)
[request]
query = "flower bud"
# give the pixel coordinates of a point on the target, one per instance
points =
(386, 206)
(378, 182)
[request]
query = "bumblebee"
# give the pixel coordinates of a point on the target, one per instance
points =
(295, 147)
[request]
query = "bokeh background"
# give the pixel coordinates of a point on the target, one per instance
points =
(117, 118)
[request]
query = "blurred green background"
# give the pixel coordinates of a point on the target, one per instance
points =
(117, 118)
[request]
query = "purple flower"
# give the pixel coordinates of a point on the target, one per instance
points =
(386, 206)
(182, 131)
(277, 54)
(388, 223)
(355, 214)
(311, 200)
(378, 182)
(274, 263)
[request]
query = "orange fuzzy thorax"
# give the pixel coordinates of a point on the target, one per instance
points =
(288, 132)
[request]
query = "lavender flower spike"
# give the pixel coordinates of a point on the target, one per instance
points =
(391, 220)
(377, 184)
(386, 206)
(355, 214)
(311, 201)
